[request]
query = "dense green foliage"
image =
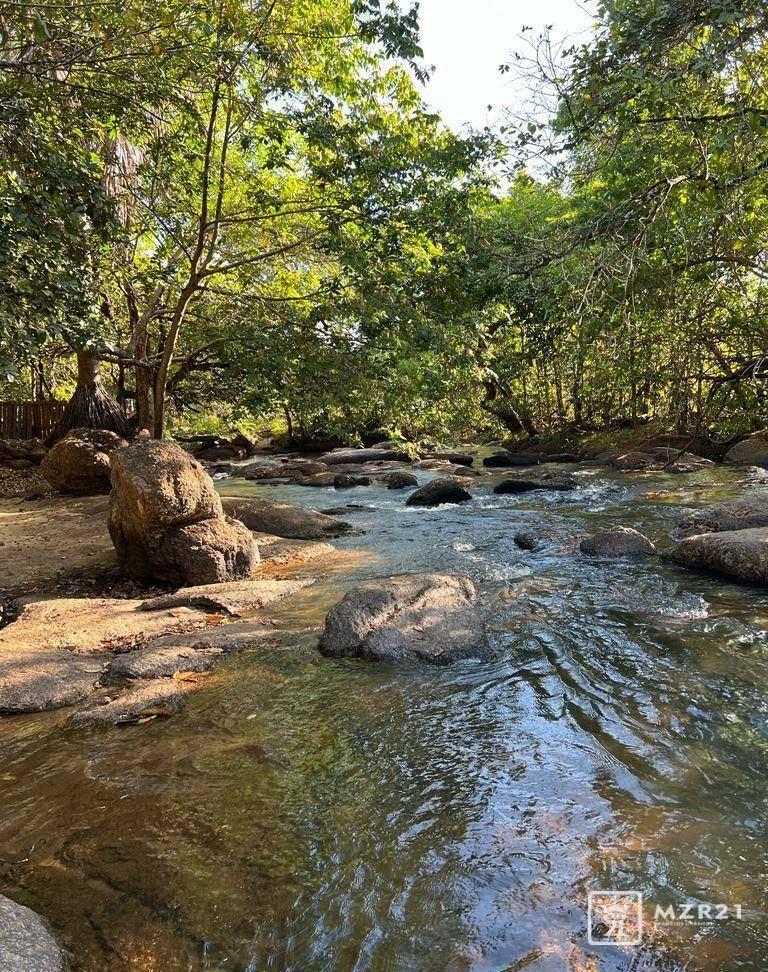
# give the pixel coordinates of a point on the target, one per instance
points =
(247, 211)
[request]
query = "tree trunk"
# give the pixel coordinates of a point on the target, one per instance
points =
(91, 406)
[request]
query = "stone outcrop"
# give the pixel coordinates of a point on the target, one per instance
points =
(408, 617)
(741, 554)
(617, 541)
(167, 523)
(439, 491)
(79, 464)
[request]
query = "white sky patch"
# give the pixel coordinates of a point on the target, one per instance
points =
(467, 40)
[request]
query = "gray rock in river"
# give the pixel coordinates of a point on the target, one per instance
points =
(363, 455)
(456, 458)
(546, 480)
(285, 519)
(506, 460)
(398, 480)
(618, 541)
(26, 944)
(739, 514)
(439, 491)
(749, 452)
(742, 554)
(408, 617)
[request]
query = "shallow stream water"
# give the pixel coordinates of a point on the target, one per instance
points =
(305, 814)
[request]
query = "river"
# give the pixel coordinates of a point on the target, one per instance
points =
(305, 814)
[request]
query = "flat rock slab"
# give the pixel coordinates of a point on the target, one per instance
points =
(34, 680)
(234, 597)
(740, 514)
(363, 455)
(408, 617)
(742, 554)
(279, 552)
(154, 698)
(26, 944)
(88, 624)
(186, 653)
(618, 541)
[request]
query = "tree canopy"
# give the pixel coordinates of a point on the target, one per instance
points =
(245, 210)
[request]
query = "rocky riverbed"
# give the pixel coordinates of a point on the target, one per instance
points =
(609, 735)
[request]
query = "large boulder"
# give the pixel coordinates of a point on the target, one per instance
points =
(408, 617)
(79, 463)
(157, 484)
(738, 514)
(742, 554)
(363, 455)
(207, 552)
(749, 452)
(617, 541)
(26, 943)
(525, 484)
(447, 490)
(286, 520)
(166, 520)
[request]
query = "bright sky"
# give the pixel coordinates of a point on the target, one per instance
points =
(467, 40)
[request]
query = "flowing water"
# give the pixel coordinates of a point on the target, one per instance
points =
(310, 814)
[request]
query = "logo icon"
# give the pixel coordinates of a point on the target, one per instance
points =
(614, 917)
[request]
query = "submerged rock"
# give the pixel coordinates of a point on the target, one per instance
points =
(438, 491)
(525, 484)
(286, 520)
(408, 617)
(26, 943)
(742, 554)
(166, 519)
(153, 698)
(617, 541)
(738, 514)
(78, 464)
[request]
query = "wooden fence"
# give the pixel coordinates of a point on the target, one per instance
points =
(29, 420)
